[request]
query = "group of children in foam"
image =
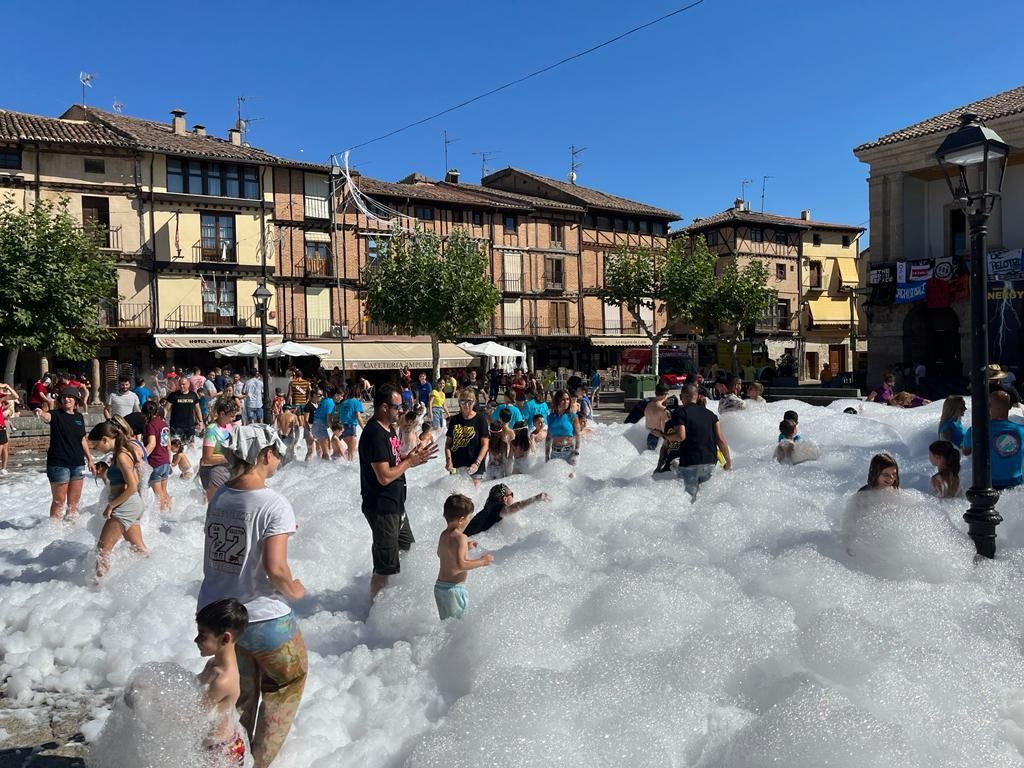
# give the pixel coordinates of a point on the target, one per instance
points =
(773, 622)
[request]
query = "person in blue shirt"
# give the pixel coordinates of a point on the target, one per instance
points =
(951, 426)
(563, 441)
(510, 406)
(350, 414)
(1005, 441)
(423, 389)
(407, 398)
(321, 417)
(535, 406)
(141, 391)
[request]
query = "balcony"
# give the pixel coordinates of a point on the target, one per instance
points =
(516, 327)
(214, 251)
(317, 207)
(774, 324)
(558, 329)
(554, 283)
(126, 316)
(371, 328)
(197, 316)
(316, 268)
(512, 284)
(109, 238)
(317, 328)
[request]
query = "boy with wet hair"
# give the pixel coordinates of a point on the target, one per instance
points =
(219, 626)
(453, 551)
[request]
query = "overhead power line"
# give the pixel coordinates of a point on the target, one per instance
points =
(531, 75)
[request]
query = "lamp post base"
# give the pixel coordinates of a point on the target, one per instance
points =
(982, 519)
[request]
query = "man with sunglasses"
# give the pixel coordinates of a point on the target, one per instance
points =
(468, 438)
(382, 482)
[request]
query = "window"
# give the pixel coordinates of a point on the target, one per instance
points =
(645, 227)
(780, 271)
(619, 225)
(631, 225)
(711, 238)
(219, 300)
(554, 273)
(510, 224)
(756, 235)
(193, 177)
(603, 222)
(780, 238)
(371, 250)
(782, 313)
(478, 218)
(815, 278)
(318, 259)
(457, 216)
(95, 166)
(816, 240)
(558, 317)
(556, 236)
(317, 196)
(423, 213)
(590, 221)
(217, 237)
(512, 315)
(846, 241)
(658, 228)
(10, 157)
(512, 272)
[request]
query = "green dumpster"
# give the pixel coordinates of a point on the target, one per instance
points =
(636, 385)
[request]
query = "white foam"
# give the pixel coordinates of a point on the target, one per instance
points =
(619, 625)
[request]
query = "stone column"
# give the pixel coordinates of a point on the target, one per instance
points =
(96, 381)
(44, 364)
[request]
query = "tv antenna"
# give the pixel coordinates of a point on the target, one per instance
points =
(743, 188)
(85, 78)
(118, 106)
(242, 123)
(447, 141)
(484, 157)
(574, 163)
(764, 186)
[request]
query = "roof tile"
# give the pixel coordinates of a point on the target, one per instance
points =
(18, 126)
(731, 215)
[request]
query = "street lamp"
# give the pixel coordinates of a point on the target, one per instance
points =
(261, 298)
(973, 160)
(853, 293)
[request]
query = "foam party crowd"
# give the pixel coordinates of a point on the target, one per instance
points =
(407, 579)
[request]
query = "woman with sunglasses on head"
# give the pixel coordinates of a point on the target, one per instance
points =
(563, 441)
(67, 456)
(468, 438)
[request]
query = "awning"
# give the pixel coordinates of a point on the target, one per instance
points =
(394, 355)
(827, 312)
(317, 237)
(622, 341)
(294, 349)
(242, 349)
(491, 349)
(209, 341)
(848, 272)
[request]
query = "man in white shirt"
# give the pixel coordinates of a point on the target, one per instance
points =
(253, 391)
(123, 401)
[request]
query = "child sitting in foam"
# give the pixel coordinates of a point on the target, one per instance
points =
(790, 449)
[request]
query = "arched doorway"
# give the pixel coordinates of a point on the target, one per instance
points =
(932, 337)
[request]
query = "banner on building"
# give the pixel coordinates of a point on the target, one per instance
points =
(1005, 265)
(882, 280)
(1005, 326)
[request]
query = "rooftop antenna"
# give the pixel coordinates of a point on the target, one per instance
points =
(743, 189)
(85, 78)
(764, 186)
(118, 106)
(242, 123)
(447, 141)
(574, 163)
(484, 157)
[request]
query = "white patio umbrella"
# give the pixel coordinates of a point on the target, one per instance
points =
(294, 349)
(491, 349)
(241, 349)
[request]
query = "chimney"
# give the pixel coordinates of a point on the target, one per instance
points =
(805, 214)
(452, 177)
(235, 136)
(199, 129)
(178, 121)
(737, 204)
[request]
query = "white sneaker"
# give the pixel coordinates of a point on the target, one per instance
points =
(3, 471)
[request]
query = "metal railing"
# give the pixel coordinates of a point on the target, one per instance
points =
(316, 267)
(558, 329)
(318, 327)
(215, 251)
(109, 238)
(370, 328)
(197, 316)
(117, 315)
(512, 283)
(774, 323)
(317, 207)
(554, 283)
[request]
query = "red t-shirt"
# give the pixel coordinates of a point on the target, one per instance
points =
(160, 454)
(39, 392)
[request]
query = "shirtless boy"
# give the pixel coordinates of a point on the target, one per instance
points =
(220, 624)
(655, 416)
(453, 551)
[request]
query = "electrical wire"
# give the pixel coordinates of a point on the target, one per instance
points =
(531, 75)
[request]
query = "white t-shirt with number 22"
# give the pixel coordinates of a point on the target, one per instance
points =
(237, 525)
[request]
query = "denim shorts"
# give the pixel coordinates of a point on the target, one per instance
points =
(160, 474)
(319, 430)
(62, 475)
(348, 430)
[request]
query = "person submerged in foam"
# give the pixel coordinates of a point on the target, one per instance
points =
(453, 551)
(883, 474)
(219, 625)
(500, 503)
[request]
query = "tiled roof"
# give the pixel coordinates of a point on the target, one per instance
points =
(432, 191)
(160, 137)
(18, 126)
(526, 200)
(1009, 102)
(731, 215)
(590, 198)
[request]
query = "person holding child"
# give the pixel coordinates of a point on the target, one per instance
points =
(246, 557)
(453, 547)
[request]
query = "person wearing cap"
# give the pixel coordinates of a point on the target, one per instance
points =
(246, 557)
(68, 454)
(499, 505)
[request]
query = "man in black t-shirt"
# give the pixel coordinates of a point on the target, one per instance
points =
(700, 438)
(468, 438)
(185, 413)
(382, 483)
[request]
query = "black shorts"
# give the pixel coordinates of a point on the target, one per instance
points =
(391, 534)
(3, 435)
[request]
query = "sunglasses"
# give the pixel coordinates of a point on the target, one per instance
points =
(465, 402)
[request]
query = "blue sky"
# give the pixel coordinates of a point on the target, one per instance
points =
(676, 115)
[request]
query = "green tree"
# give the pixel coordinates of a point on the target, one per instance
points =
(56, 282)
(741, 298)
(421, 284)
(675, 283)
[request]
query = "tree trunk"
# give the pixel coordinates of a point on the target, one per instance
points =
(12, 361)
(654, 357)
(435, 352)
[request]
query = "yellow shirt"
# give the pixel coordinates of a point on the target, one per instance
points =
(437, 399)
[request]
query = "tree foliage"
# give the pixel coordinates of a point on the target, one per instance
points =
(675, 283)
(421, 284)
(55, 280)
(741, 298)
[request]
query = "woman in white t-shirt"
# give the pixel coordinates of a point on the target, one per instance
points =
(247, 530)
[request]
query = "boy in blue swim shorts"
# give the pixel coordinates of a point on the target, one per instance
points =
(453, 551)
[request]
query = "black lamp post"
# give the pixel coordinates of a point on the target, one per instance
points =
(261, 298)
(973, 160)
